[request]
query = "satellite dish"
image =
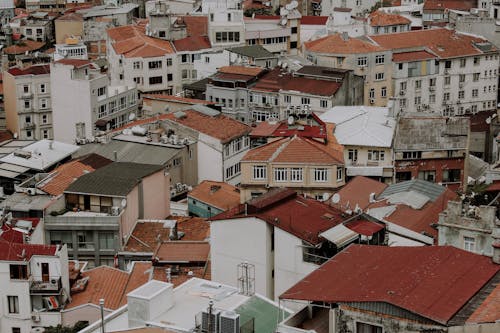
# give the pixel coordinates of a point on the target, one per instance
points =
(488, 120)
(294, 4)
(291, 120)
(131, 117)
(326, 195)
(336, 198)
(124, 203)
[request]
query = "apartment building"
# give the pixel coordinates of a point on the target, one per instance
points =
(39, 27)
(383, 23)
(50, 5)
(360, 55)
(35, 285)
(101, 106)
(27, 102)
(303, 164)
(226, 27)
(442, 71)
(359, 7)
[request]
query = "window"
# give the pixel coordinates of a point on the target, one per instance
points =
(376, 155)
(367, 328)
(475, 92)
(27, 104)
(102, 111)
(85, 240)
(446, 96)
(259, 172)
(379, 59)
(428, 175)
(26, 89)
(312, 254)
(447, 64)
(418, 100)
(177, 161)
(402, 86)
(469, 244)
(320, 174)
(432, 82)
(44, 119)
(13, 302)
(211, 17)
(475, 77)
(156, 80)
(461, 94)
(447, 80)
(379, 76)
(27, 119)
(229, 17)
(43, 88)
(137, 65)
(418, 84)
(287, 98)
(323, 103)
(305, 101)
(340, 173)
(156, 64)
(383, 92)
(463, 61)
(63, 237)
(372, 93)
(43, 103)
(352, 155)
(19, 272)
(280, 174)
(45, 134)
(402, 103)
(296, 174)
(106, 241)
(101, 91)
(476, 60)
(432, 99)
(294, 30)
(185, 58)
(362, 61)
(169, 61)
(411, 155)
(16, 330)
(185, 74)
(340, 60)
(451, 175)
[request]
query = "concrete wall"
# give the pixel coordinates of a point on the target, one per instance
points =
(156, 195)
(86, 312)
(66, 29)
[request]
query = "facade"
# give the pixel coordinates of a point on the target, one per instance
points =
(101, 106)
(358, 8)
(305, 165)
(366, 134)
(383, 23)
(433, 149)
(210, 198)
(226, 27)
(101, 208)
(72, 48)
(38, 27)
(35, 285)
(252, 55)
(28, 102)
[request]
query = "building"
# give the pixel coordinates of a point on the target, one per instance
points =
(226, 27)
(354, 7)
(442, 71)
(383, 23)
(210, 198)
(430, 288)
(433, 149)
(52, 5)
(39, 26)
(281, 236)
(436, 12)
(305, 165)
(468, 227)
(360, 55)
(155, 104)
(36, 285)
(314, 26)
(251, 55)
(366, 134)
(72, 48)
(67, 26)
(28, 103)
(100, 209)
(221, 142)
(101, 106)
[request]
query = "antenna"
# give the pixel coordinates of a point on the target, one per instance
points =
(336, 198)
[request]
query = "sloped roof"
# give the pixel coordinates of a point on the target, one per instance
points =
(464, 5)
(412, 56)
(357, 192)
(241, 70)
(334, 44)
(361, 125)
(253, 51)
(115, 179)
(381, 19)
(442, 42)
(182, 251)
(131, 41)
(10, 251)
(216, 194)
(489, 310)
(194, 43)
(313, 20)
(294, 150)
(196, 25)
(32, 70)
(432, 281)
(59, 179)
(23, 47)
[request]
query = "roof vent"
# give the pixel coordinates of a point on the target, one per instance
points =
(214, 188)
(180, 115)
(22, 153)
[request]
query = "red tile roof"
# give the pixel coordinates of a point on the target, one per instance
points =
(76, 63)
(194, 43)
(184, 273)
(32, 70)
(294, 150)
(140, 274)
(489, 310)
(313, 20)
(334, 44)
(131, 41)
(241, 70)
(464, 5)
(412, 56)
(10, 251)
(23, 47)
(264, 129)
(59, 179)
(196, 25)
(71, 17)
(221, 127)
(176, 99)
(432, 281)
(216, 194)
(381, 19)
(357, 192)
(282, 129)
(442, 42)
(365, 227)
(304, 218)
(181, 252)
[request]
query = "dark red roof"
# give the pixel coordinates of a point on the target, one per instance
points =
(314, 20)
(12, 235)
(10, 251)
(32, 70)
(304, 218)
(365, 227)
(432, 281)
(194, 43)
(494, 186)
(282, 129)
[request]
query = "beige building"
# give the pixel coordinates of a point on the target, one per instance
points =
(27, 102)
(305, 165)
(366, 59)
(68, 25)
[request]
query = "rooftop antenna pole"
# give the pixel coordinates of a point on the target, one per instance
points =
(101, 305)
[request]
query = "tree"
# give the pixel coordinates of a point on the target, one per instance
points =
(67, 329)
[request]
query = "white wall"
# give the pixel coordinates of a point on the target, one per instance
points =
(241, 240)
(216, 59)
(209, 159)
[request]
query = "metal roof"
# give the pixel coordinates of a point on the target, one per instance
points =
(253, 51)
(428, 189)
(340, 235)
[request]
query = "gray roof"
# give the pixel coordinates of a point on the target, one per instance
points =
(115, 179)
(431, 133)
(130, 152)
(431, 190)
(253, 51)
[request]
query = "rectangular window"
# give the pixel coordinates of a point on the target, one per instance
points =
(306, 101)
(475, 92)
(296, 174)
(156, 80)
(320, 175)
(323, 103)
(432, 99)
(287, 98)
(106, 241)
(353, 155)
(169, 61)
(418, 84)
(418, 100)
(13, 302)
(428, 175)
(432, 82)
(27, 104)
(16, 330)
(463, 61)
(101, 91)
(367, 328)
(280, 174)
(447, 80)
(451, 175)
(43, 88)
(446, 96)
(475, 77)
(259, 172)
(379, 59)
(137, 65)
(362, 61)
(411, 155)
(376, 155)
(469, 244)
(383, 92)
(43, 103)
(155, 64)
(447, 64)
(379, 76)
(340, 173)
(476, 60)
(461, 94)
(26, 89)
(19, 272)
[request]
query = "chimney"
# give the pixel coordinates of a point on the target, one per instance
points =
(168, 271)
(344, 36)
(115, 156)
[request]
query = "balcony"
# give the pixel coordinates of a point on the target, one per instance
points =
(51, 286)
(26, 95)
(29, 126)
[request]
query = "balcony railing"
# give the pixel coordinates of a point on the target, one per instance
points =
(50, 286)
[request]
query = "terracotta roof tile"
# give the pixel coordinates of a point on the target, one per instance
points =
(334, 44)
(357, 192)
(241, 70)
(489, 310)
(23, 47)
(412, 56)
(76, 63)
(32, 70)
(216, 194)
(181, 252)
(382, 19)
(185, 272)
(220, 126)
(442, 42)
(131, 41)
(464, 5)
(432, 281)
(140, 274)
(59, 179)
(10, 251)
(194, 43)
(196, 25)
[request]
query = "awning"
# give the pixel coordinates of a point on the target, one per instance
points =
(101, 122)
(340, 235)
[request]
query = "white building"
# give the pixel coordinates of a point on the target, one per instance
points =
(226, 27)
(366, 133)
(100, 106)
(359, 7)
(35, 286)
(73, 48)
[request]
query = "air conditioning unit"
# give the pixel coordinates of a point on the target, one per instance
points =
(35, 317)
(229, 322)
(372, 100)
(210, 322)
(115, 211)
(402, 92)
